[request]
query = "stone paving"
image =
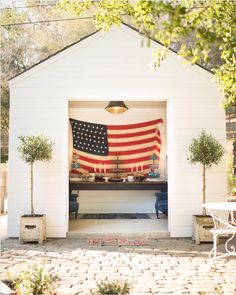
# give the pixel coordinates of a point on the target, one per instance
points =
(166, 266)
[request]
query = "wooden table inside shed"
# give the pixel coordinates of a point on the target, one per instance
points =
(145, 185)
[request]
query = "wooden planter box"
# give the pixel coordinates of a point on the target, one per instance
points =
(33, 228)
(201, 228)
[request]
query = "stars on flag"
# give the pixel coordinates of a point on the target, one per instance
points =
(90, 137)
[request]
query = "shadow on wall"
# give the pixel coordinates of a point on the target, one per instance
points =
(3, 187)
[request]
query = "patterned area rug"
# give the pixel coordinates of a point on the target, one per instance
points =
(116, 216)
(117, 242)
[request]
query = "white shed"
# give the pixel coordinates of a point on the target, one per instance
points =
(77, 83)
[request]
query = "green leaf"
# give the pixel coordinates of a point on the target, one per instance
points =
(205, 150)
(35, 148)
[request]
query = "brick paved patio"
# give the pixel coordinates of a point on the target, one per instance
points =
(166, 266)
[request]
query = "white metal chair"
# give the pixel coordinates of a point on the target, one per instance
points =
(224, 225)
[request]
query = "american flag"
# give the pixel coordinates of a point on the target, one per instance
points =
(96, 146)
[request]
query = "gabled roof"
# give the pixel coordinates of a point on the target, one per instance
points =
(86, 37)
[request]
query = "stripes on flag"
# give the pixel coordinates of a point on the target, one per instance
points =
(96, 146)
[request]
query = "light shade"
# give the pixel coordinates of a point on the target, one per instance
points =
(116, 107)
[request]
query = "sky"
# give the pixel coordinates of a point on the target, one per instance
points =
(4, 3)
(7, 3)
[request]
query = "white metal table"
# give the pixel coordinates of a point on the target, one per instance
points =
(223, 214)
(224, 225)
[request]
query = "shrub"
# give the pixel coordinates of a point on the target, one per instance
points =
(113, 287)
(34, 282)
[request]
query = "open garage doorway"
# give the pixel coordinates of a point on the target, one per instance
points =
(116, 192)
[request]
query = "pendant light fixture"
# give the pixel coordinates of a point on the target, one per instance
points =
(116, 107)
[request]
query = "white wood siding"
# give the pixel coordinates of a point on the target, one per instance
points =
(112, 66)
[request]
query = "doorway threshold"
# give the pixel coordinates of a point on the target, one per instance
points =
(150, 228)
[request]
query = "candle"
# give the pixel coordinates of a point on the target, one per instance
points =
(132, 169)
(104, 168)
(100, 167)
(95, 168)
(142, 167)
(136, 167)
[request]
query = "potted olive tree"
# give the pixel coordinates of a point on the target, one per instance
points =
(207, 151)
(33, 149)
